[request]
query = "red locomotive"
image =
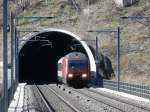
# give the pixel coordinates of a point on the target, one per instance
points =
(73, 69)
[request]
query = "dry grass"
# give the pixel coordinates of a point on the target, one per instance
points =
(136, 38)
(136, 79)
(131, 68)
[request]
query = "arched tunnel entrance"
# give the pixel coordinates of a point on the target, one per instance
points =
(38, 55)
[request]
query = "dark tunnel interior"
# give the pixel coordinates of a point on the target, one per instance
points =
(38, 57)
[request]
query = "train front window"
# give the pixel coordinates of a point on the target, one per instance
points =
(77, 64)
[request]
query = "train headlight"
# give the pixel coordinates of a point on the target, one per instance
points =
(70, 75)
(84, 75)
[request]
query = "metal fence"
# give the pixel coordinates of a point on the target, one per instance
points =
(138, 90)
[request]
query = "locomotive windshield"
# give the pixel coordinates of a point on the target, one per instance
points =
(77, 64)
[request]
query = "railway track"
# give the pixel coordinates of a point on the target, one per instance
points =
(45, 101)
(65, 101)
(34, 101)
(59, 103)
(110, 101)
(87, 103)
(61, 98)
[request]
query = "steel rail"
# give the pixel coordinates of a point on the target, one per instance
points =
(65, 101)
(48, 106)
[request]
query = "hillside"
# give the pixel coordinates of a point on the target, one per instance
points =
(102, 14)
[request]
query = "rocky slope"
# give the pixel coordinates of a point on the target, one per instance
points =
(97, 15)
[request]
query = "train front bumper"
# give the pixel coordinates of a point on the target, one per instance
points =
(77, 80)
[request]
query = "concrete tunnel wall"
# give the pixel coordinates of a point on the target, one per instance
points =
(38, 60)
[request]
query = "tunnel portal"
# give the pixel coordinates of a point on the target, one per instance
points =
(38, 56)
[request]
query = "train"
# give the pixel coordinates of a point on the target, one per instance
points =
(73, 69)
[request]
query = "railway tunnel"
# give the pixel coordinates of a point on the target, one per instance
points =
(39, 53)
